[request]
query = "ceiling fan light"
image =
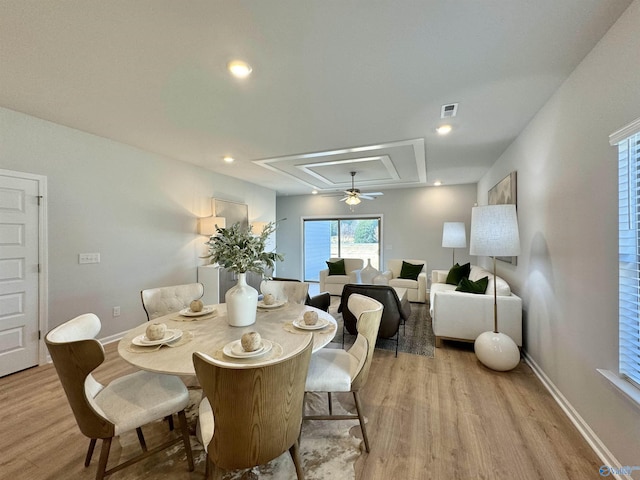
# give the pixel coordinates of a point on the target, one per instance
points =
(352, 200)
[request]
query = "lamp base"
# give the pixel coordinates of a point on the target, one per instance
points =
(497, 351)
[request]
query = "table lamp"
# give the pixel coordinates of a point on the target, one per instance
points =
(494, 233)
(454, 236)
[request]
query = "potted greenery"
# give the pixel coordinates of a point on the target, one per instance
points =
(240, 250)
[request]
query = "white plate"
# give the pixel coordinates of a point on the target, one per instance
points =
(169, 336)
(234, 349)
(274, 305)
(299, 323)
(206, 310)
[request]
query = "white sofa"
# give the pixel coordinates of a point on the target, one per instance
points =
(334, 283)
(416, 289)
(463, 316)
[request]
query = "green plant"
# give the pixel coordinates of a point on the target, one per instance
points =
(240, 250)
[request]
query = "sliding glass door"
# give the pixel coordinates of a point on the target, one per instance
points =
(339, 237)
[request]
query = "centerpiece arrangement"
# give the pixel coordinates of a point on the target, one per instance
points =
(240, 250)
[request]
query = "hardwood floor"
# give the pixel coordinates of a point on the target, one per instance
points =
(442, 418)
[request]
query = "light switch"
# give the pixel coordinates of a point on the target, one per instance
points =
(88, 258)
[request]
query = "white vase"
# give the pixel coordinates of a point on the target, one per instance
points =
(368, 273)
(497, 351)
(242, 302)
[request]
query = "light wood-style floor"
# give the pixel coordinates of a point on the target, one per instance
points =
(442, 418)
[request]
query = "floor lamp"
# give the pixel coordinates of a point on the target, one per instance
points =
(494, 233)
(454, 236)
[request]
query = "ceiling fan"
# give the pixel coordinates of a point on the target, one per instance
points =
(353, 196)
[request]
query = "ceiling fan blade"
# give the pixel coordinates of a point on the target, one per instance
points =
(373, 194)
(344, 199)
(365, 197)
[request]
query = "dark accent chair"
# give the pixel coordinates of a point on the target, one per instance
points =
(321, 301)
(393, 314)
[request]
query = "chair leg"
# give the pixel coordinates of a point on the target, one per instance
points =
(92, 445)
(295, 456)
(182, 418)
(330, 403)
(397, 341)
(169, 418)
(143, 444)
(104, 456)
(356, 397)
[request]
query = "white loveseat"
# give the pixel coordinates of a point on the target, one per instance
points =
(416, 289)
(334, 283)
(463, 316)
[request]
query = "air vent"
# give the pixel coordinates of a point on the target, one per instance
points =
(449, 111)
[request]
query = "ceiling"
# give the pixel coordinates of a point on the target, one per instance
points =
(337, 86)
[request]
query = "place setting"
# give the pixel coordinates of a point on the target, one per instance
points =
(196, 311)
(158, 335)
(250, 349)
(269, 302)
(310, 322)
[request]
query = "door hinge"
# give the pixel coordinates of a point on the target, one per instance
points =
(39, 197)
(39, 335)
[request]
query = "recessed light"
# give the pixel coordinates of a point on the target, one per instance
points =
(314, 192)
(437, 183)
(228, 159)
(443, 129)
(239, 69)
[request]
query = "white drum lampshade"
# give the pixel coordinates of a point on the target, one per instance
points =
(494, 233)
(454, 236)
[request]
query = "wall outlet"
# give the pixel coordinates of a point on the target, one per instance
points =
(116, 311)
(88, 258)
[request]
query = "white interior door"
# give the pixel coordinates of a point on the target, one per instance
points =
(19, 295)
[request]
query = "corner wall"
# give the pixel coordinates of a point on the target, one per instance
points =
(137, 209)
(567, 274)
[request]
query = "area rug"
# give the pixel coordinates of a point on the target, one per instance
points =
(328, 449)
(416, 336)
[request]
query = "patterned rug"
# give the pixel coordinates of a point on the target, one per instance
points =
(328, 449)
(416, 336)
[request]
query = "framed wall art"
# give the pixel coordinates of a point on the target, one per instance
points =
(233, 212)
(505, 193)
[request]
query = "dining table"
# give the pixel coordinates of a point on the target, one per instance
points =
(281, 327)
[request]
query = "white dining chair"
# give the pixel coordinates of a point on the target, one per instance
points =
(164, 300)
(337, 370)
(125, 404)
(286, 291)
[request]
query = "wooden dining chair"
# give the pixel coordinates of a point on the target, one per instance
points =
(125, 404)
(336, 370)
(257, 411)
(287, 291)
(164, 300)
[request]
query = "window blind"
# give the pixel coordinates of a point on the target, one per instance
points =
(629, 252)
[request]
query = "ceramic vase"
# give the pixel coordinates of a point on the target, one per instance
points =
(368, 273)
(242, 302)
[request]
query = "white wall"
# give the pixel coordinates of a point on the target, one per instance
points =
(567, 209)
(412, 222)
(137, 209)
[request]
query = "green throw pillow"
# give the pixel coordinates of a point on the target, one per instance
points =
(410, 271)
(457, 273)
(337, 267)
(469, 286)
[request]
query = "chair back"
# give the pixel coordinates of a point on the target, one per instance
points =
(392, 313)
(369, 313)
(164, 300)
(395, 265)
(75, 354)
(257, 411)
(350, 264)
(291, 291)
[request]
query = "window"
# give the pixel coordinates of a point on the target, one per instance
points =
(339, 237)
(628, 142)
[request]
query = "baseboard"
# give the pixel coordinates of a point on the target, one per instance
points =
(583, 427)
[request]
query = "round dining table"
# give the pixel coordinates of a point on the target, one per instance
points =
(212, 335)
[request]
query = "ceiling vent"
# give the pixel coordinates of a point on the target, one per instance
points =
(449, 111)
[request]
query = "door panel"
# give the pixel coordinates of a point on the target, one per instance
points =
(18, 274)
